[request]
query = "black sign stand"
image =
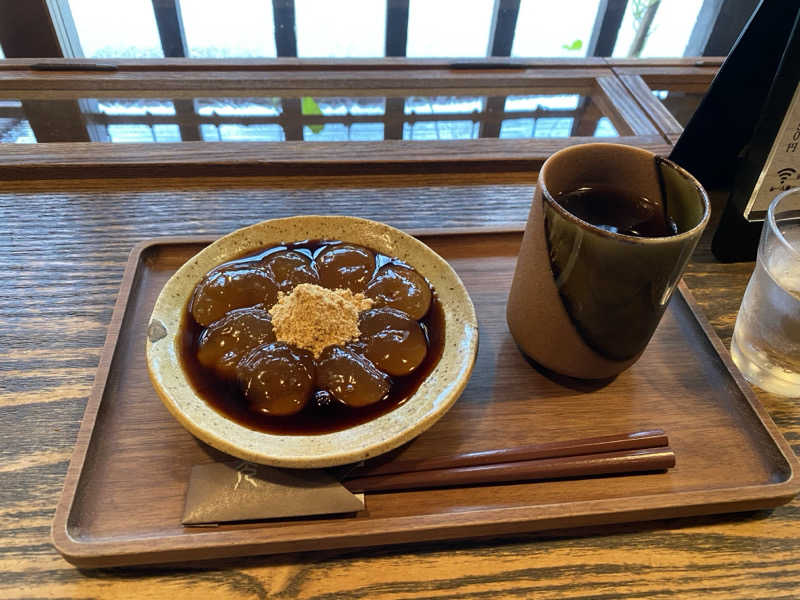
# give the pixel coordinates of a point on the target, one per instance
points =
(728, 140)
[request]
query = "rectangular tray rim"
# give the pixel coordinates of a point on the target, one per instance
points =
(113, 551)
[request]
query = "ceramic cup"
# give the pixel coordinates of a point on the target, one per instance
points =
(585, 301)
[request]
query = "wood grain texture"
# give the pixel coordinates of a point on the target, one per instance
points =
(667, 124)
(694, 77)
(622, 103)
(330, 64)
(350, 64)
(674, 62)
(95, 159)
(179, 79)
(64, 246)
(291, 79)
(122, 510)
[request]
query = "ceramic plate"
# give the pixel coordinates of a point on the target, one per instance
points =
(433, 398)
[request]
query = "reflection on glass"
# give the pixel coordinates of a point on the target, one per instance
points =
(553, 102)
(553, 116)
(516, 128)
(366, 132)
(14, 127)
(242, 133)
(116, 29)
(130, 120)
(239, 29)
(323, 28)
(441, 130)
(334, 118)
(140, 106)
(605, 128)
(339, 132)
(543, 127)
(108, 116)
(16, 131)
(241, 107)
(682, 105)
(138, 133)
(443, 105)
(449, 28)
(552, 128)
(560, 28)
(166, 133)
(333, 107)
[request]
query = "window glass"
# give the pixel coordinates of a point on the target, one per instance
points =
(116, 29)
(167, 132)
(142, 106)
(605, 128)
(457, 28)
(554, 102)
(14, 127)
(366, 132)
(234, 132)
(243, 28)
(340, 28)
(340, 132)
(323, 118)
(516, 128)
(424, 105)
(542, 127)
(441, 130)
(552, 127)
(242, 107)
(669, 32)
(561, 28)
(357, 28)
(16, 131)
(331, 107)
(681, 104)
(139, 133)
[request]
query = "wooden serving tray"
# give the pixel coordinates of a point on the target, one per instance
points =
(124, 491)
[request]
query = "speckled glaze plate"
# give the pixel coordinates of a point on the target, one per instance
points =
(434, 397)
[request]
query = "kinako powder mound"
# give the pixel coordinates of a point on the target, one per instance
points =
(313, 317)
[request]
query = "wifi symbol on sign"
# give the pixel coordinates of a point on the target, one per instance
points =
(785, 174)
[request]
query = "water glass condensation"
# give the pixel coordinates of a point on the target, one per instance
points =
(766, 339)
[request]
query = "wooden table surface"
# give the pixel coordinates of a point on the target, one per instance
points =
(63, 247)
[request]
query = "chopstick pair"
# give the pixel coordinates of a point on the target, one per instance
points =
(614, 454)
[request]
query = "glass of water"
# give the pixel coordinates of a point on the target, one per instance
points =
(766, 338)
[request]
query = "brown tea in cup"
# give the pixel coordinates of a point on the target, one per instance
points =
(619, 210)
(610, 231)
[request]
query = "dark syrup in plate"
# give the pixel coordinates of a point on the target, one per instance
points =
(322, 414)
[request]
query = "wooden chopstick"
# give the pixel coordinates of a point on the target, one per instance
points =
(624, 461)
(652, 438)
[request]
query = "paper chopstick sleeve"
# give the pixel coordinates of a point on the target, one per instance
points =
(241, 491)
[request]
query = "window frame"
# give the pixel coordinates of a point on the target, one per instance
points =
(182, 78)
